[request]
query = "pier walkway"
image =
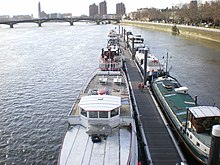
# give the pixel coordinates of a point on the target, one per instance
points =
(160, 146)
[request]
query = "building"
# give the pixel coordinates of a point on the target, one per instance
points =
(22, 17)
(103, 8)
(93, 10)
(4, 18)
(41, 14)
(193, 11)
(55, 15)
(120, 9)
(67, 15)
(39, 10)
(193, 5)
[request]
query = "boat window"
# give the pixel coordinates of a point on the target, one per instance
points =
(114, 112)
(103, 114)
(83, 112)
(207, 123)
(93, 114)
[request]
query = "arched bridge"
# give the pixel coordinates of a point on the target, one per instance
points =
(70, 20)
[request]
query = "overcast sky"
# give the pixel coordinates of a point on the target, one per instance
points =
(76, 7)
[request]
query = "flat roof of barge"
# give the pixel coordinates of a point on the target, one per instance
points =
(205, 111)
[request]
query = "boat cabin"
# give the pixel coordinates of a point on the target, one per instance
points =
(110, 53)
(113, 42)
(100, 106)
(202, 118)
(101, 113)
(110, 59)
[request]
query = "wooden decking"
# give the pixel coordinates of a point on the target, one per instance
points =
(162, 150)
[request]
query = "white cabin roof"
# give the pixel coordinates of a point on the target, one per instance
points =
(205, 111)
(100, 102)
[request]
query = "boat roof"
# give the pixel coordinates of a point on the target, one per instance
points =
(205, 111)
(178, 102)
(78, 148)
(100, 102)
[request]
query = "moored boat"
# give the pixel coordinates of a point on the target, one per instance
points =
(138, 41)
(154, 66)
(192, 123)
(112, 33)
(111, 59)
(101, 125)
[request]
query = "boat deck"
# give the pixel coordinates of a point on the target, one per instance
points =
(173, 98)
(114, 85)
(161, 147)
(79, 148)
(119, 146)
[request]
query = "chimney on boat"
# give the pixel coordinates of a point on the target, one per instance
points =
(196, 100)
(215, 145)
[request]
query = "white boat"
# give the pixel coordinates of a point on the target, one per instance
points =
(138, 41)
(113, 38)
(112, 33)
(153, 63)
(111, 58)
(101, 130)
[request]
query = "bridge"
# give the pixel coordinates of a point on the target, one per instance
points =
(70, 20)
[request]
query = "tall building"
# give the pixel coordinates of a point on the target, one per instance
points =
(193, 8)
(102, 8)
(193, 5)
(93, 10)
(39, 10)
(120, 9)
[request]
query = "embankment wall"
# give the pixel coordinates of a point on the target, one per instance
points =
(191, 31)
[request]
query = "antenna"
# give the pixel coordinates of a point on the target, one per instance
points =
(167, 62)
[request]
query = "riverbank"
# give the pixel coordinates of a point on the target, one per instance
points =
(190, 31)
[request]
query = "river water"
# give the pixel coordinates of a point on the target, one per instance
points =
(42, 70)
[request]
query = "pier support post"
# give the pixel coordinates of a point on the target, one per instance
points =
(119, 28)
(39, 23)
(145, 66)
(132, 49)
(124, 34)
(11, 25)
(214, 152)
(127, 40)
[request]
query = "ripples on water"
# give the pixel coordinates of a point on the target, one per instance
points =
(43, 69)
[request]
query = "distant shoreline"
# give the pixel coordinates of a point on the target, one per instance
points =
(191, 31)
